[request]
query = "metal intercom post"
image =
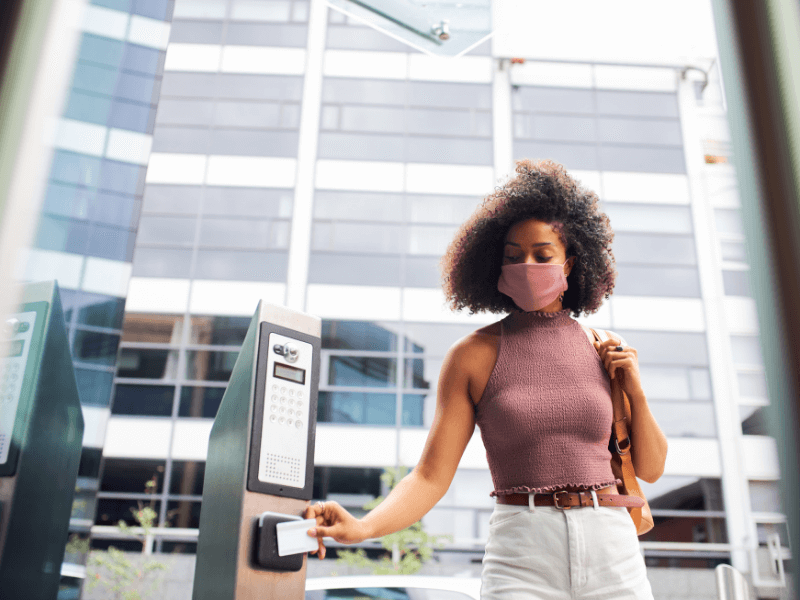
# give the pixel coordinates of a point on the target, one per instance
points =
(41, 433)
(260, 460)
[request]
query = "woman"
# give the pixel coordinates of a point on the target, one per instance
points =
(537, 384)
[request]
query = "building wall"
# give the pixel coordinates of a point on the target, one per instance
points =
(356, 160)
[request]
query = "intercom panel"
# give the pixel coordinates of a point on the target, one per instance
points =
(285, 413)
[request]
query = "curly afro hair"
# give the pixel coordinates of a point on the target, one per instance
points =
(544, 191)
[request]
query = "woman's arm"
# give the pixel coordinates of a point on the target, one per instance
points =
(648, 442)
(418, 492)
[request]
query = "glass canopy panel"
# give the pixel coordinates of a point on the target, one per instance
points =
(443, 28)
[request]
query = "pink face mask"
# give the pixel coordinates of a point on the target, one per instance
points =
(532, 286)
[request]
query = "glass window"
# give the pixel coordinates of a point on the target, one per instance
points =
(361, 147)
(557, 100)
(134, 116)
(149, 400)
(632, 248)
(639, 131)
(155, 9)
(79, 169)
(692, 420)
(429, 239)
(733, 251)
(88, 107)
(62, 235)
(247, 114)
(576, 155)
(200, 402)
(421, 272)
(355, 237)
(559, 128)
(290, 116)
(200, 9)
(89, 466)
(166, 230)
(122, 177)
(243, 233)
(657, 281)
(121, 210)
(362, 371)
(94, 387)
(413, 410)
(665, 383)
(235, 142)
(676, 528)
(257, 10)
(360, 483)
(101, 311)
(339, 90)
(668, 348)
(187, 477)
(449, 95)
(736, 283)
(210, 365)
(96, 348)
(381, 119)
(121, 5)
(446, 150)
(445, 122)
(140, 88)
(142, 59)
(728, 220)
(188, 84)
(195, 32)
(183, 514)
(300, 10)
(354, 269)
(152, 328)
(113, 243)
(102, 50)
(359, 206)
(655, 218)
(132, 475)
(359, 335)
(284, 35)
(440, 209)
(182, 199)
(248, 202)
(241, 265)
(258, 87)
(765, 496)
(362, 38)
(645, 104)
(642, 159)
(432, 338)
(218, 331)
(161, 262)
(147, 363)
(189, 140)
(111, 511)
(364, 408)
(95, 78)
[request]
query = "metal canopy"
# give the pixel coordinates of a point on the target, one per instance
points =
(443, 28)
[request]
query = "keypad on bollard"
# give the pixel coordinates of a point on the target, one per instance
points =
(17, 332)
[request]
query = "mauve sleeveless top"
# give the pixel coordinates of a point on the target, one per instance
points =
(546, 414)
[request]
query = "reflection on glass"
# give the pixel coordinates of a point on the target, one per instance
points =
(94, 347)
(362, 371)
(147, 400)
(365, 408)
(187, 478)
(218, 331)
(415, 374)
(101, 311)
(359, 335)
(147, 363)
(132, 475)
(111, 511)
(210, 365)
(155, 329)
(183, 514)
(200, 402)
(348, 481)
(413, 405)
(94, 386)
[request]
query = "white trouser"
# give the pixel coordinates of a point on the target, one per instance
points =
(551, 554)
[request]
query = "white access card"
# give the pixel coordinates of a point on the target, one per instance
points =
(293, 537)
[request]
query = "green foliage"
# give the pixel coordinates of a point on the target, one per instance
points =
(114, 571)
(407, 550)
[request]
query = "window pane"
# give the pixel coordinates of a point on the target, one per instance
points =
(96, 348)
(634, 248)
(765, 496)
(728, 220)
(433, 339)
(88, 107)
(657, 281)
(421, 373)
(244, 233)
(639, 131)
(218, 331)
(444, 122)
(147, 364)
(94, 387)
(736, 283)
(257, 10)
(577, 156)
(649, 217)
(241, 265)
(361, 146)
(183, 514)
(642, 159)
(362, 371)
(112, 511)
(753, 420)
(210, 365)
(429, 239)
(103, 50)
(247, 202)
(703, 530)
(156, 329)
(692, 420)
(413, 410)
(555, 128)
(267, 34)
(449, 95)
(247, 114)
(182, 139)
(365, 408)
(235, 142)
(653, 104)
(142, 59)
(558, 100)
(752, 385)
(195, 32)
(183, 199)
(338, 90)
(440, 209)
(187, 477)
(149, 400)
(372, 118)
(161, 262)
(354, 237)
(746, 350)
(359, 335)
(464, 151)
(184, 112)
(354, 269)
(358, 206)
(733, 251)
(129, 475)
(667, 348)
(422, 272)
(101, 311)
(200, 402)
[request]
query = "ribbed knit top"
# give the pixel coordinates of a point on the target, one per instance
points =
(546, 414)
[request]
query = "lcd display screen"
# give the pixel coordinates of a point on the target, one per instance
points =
(288, 373)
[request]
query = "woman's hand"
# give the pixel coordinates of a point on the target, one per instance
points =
(624, 365)
(335, 522)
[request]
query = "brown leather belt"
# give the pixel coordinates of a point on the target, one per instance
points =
(565, 500)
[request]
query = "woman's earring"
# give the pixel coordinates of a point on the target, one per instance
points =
(561, 297)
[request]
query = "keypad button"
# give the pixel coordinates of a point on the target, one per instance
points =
(298, 423)
(274, 388)
(291, 412)
(291, 401)
(300, 394)
(283, 390)
(274, 398)
(291, 392)
(289, 421)
(283, 400)
(274, 408)
(273, 418)
(281, 420)
(283, 410)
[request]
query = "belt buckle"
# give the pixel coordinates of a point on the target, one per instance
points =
(555, 500)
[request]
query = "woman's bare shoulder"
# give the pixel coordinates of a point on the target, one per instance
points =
(476, 350)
